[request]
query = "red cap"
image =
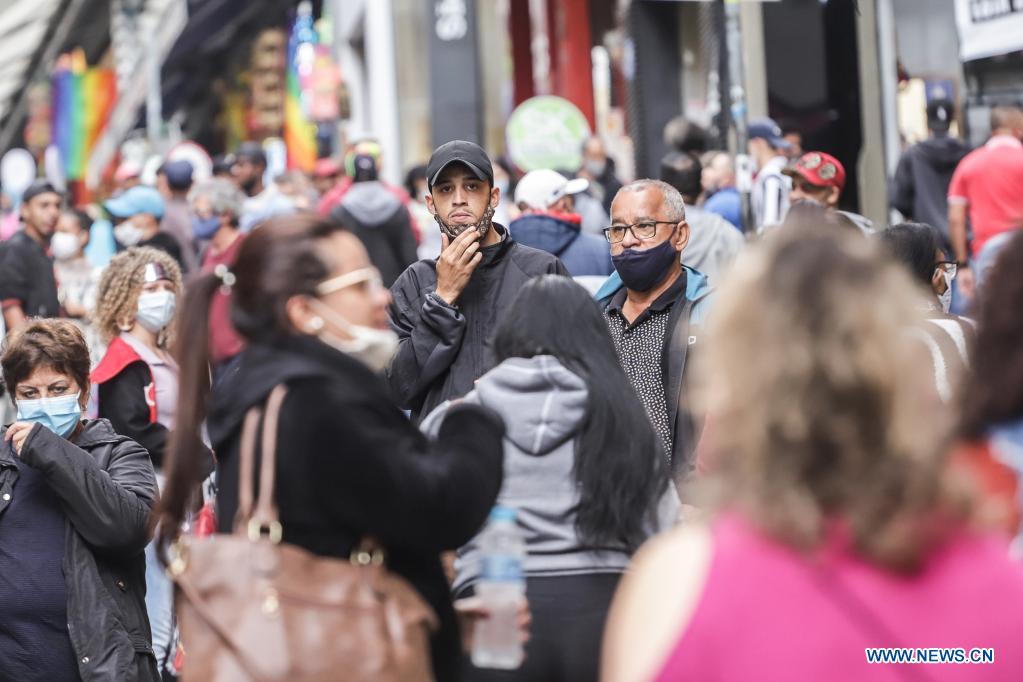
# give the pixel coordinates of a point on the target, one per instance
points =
(324, 168)
(820, 169)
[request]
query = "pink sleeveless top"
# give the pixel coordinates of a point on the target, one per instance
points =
(769, 613)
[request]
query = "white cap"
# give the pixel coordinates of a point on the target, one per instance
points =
(540, 189)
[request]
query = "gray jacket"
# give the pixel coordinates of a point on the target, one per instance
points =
(543, 405)
(107, 488)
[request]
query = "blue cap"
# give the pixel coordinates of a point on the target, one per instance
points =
(139, 199)
(178, 173)
(767, 129)
(500, 513)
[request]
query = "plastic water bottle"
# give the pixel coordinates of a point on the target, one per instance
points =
(496, 642)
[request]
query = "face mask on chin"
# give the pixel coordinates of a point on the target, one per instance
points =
(946, 298)
(483, 226)
(372, 347)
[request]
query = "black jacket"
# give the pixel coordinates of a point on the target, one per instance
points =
(376, 216)
(122, 400)
(106, 486)
(26, 276)
(444, 348)
(350, 464)
(920, 186)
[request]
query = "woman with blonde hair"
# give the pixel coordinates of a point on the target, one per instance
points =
(137, 381)
(835, 525)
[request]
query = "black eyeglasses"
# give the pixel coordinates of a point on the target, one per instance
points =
(642, 231)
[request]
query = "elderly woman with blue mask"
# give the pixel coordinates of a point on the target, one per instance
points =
(137, 381)
(75, 499)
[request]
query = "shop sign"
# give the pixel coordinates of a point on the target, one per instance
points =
(547, 132)
(989, 27)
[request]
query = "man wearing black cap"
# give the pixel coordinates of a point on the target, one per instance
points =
(27, 285)
(920, 187)
(444, 311)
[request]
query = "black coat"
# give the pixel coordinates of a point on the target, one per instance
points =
(445, 349)
(106, 486)
(350, 464)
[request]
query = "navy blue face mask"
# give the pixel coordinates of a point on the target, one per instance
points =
(204, 228)
(641, 270)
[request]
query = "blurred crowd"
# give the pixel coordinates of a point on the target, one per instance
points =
(790, 424)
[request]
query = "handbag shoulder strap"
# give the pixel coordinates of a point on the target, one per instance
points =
(265, 514)
(246, 455)
(266, 505)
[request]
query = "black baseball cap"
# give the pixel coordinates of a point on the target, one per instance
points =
(250, 151)
(40, 186)
(459, 151)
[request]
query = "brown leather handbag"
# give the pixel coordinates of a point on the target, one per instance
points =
(251, 608)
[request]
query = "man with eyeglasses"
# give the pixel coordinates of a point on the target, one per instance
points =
(948, 338)
(654, 307)
(445, 310)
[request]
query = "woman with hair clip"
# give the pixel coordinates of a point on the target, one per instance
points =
(583, 468)
(137, 383)
(349, 464)
(839, 534)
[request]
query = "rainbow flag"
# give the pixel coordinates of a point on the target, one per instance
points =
(83, 98)
(299, 131)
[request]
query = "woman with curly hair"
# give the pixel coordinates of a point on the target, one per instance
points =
(137, 380)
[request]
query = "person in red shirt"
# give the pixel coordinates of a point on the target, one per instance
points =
(216, 206)
(987, 185)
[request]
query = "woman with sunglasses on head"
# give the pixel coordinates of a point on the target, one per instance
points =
(312, 312)
(75, 499)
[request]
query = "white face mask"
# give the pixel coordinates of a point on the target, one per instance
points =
(946, 298)
(64, 245)
(127, 233)
(156, 310)
(373, 347)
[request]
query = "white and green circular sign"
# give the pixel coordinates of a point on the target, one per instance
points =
(547, 132)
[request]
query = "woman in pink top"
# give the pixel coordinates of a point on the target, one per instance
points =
(837, 525)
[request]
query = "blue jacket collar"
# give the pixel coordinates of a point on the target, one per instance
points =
(697, 286)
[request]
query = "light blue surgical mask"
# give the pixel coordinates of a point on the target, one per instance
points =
(60, 414)
(156, 309)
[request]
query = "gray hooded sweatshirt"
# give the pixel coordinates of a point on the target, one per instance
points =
(543, 406)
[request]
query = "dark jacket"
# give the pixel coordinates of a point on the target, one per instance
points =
(127, 397)
(350, 464)
(107, 488)
(609, 184)
(444, 349)
(558, 234)
(920, 187)
(376, 216)
(26, 277)
(686, 321)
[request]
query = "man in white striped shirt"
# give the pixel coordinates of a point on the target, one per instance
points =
(770, 197)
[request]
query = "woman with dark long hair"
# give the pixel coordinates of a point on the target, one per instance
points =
(349, 464)
(583, 468)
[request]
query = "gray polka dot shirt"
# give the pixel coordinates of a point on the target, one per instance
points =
(640, 347)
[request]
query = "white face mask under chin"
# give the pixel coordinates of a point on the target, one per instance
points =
(946, 298)
(373, 347)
